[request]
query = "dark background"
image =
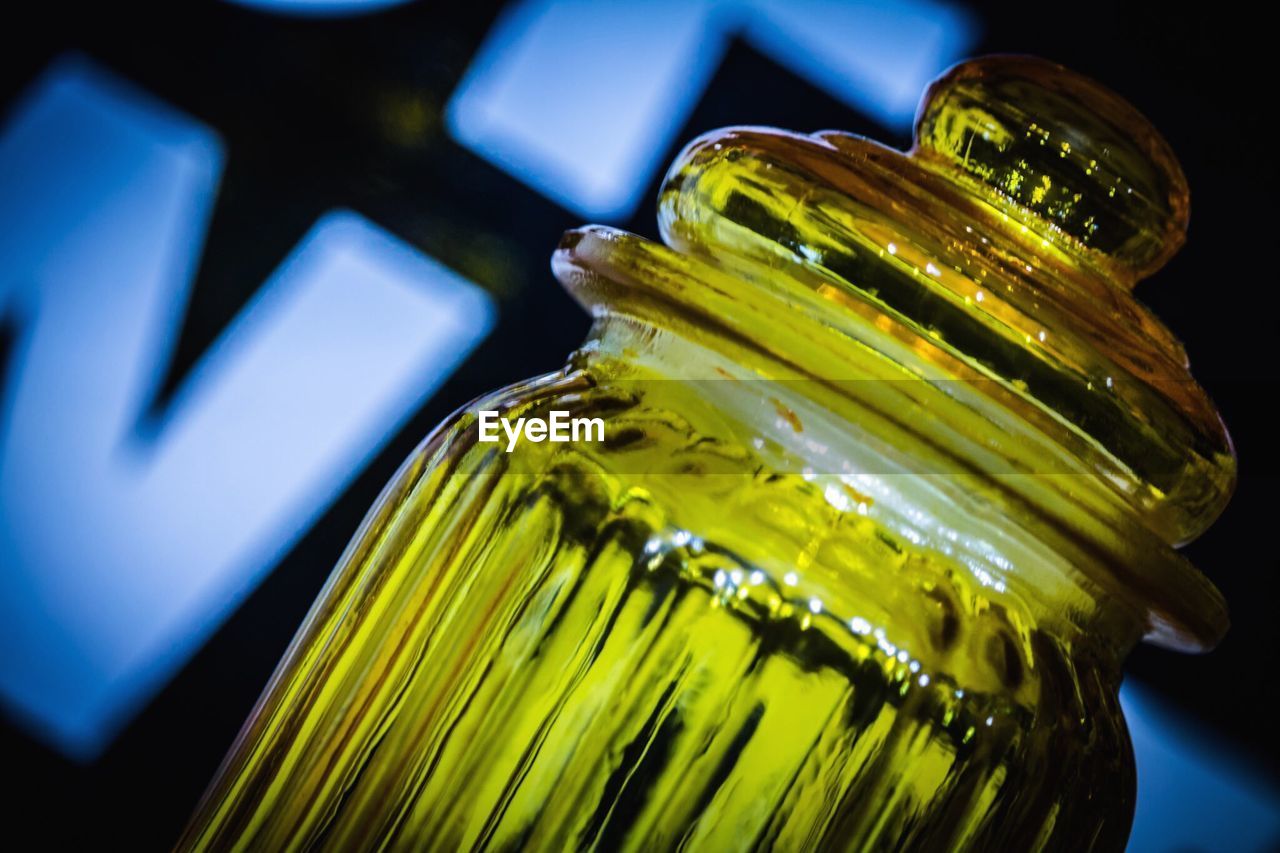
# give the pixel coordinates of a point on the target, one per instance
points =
(307, 109)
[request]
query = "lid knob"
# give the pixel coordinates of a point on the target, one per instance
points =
(1066, 157)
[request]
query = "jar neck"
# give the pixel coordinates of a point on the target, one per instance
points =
(933, 419)
(824, 433)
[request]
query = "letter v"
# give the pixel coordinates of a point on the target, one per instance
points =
(120, 551)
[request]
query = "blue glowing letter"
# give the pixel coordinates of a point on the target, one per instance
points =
(319, 8)
(120, 551)
(581, 100)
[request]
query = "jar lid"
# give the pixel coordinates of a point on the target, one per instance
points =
(1001, 251)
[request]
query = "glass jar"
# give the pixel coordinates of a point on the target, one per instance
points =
(892, 472)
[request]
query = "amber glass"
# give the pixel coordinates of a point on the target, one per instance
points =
(893, 472)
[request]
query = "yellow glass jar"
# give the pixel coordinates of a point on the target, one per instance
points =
(893, 470)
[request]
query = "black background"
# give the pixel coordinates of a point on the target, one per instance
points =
(319, 114)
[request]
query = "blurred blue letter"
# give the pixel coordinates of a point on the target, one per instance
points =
(581, 99)
(120, 551)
